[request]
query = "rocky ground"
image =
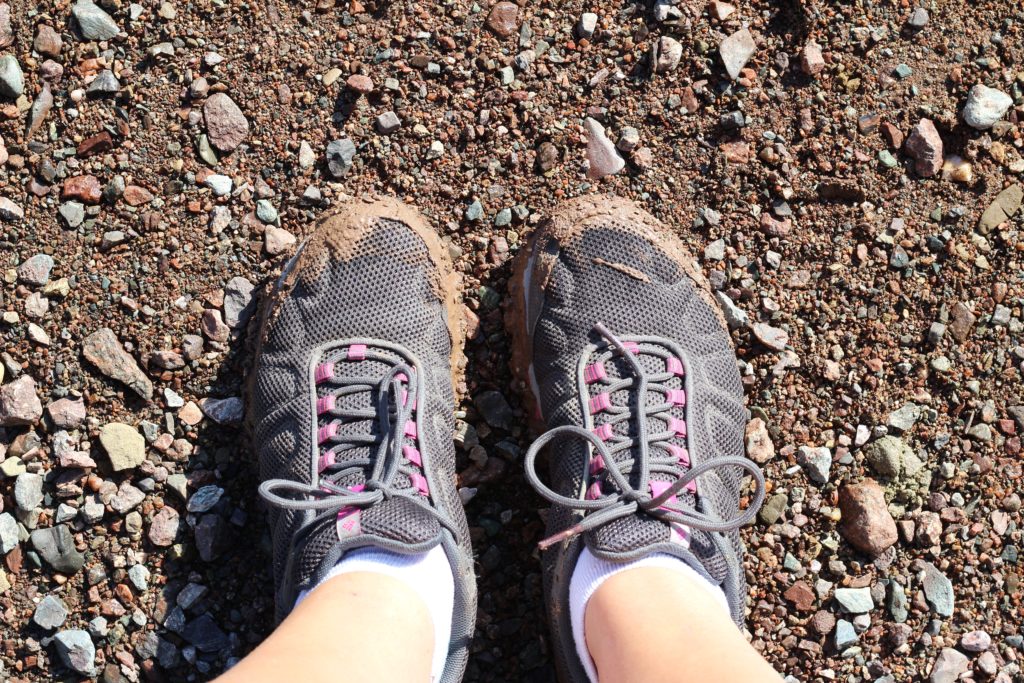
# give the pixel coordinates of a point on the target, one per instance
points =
(849, 173)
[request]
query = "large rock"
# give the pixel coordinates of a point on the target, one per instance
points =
(985, 106)
(1002, 208)
(56, 546)
(601, 152)
(736, 51)
(938, 590)
(19, 404)
(12, 80)
(226, 125)
(6, 29)
(125, 447)
(867, 524)
(92, 22)
(948, 666)
(76, 651)
(925, 146)
(102, 349)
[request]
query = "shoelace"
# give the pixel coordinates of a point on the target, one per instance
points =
(393, 398)
(627, 500)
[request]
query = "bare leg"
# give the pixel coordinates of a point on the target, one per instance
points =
(353, 628)
(655, 624)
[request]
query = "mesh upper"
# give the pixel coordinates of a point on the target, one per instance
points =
(384, 291)
(581, 291)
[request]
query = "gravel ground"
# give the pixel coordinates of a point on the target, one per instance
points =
(852, 194)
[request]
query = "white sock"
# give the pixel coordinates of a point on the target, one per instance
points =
(590, 572)
(430, 576)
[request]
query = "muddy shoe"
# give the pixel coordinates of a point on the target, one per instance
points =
(351, 406)
(629, 366)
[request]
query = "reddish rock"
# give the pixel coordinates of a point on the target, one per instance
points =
(83, 188)
(6, 29)
(773, 227)
(893, 135)
(801, 595)
(503, 18)
(137, 196)
(226, 125)
(48, 42)
(97, 144)
(867, 524)
(164, 527)
(811, 60)
(759, 444)
(361, 84)
(735, 152)
(925, 146)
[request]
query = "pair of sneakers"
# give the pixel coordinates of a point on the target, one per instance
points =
(624, 359)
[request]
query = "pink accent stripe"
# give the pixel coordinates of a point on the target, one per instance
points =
(681, 454)
(632, 347)
(420, 482)
(604, 432)
(410, 429)
(659, 487)
(599, 403)
(327, 432)
(356, 352)
(594, 373)
(676, 396)
(594, 491)
(675, 366)
(324, 372)
(412, 455)
(348, 520)
(324, 461)
(677, 426)
(596, 465)
(401, 377)
(325, 404)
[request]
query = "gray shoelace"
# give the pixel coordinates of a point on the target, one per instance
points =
(650, 455)
(379, 470)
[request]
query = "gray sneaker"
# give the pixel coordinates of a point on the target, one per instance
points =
(351, 404)
(626, 360)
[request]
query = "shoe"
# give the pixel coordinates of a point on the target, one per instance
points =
(626, 360)
(351, 406)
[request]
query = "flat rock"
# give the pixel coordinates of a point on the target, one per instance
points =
(948, 666)
(855, 600)
(976, 641)
(19, 403)
(39, 111)
(66, 413)
(164, 527)
(104, 351)
(226, 125)
(28, 491)
(866, 522)
(1002, 208)
(938, 590)
(772, 337)
(56, 546)
(8, 533)
(92, 22)
(226, 411)
(985, 107)
(50, 613)
(925, 146)
(12, 79)
(239, 303)
(9, 211)
(601, 153)
(340, 156)
(817, 462)
(76, 650)
(35, 271)
(736, 51)
(125, 447)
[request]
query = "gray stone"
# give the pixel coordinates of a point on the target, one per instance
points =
(76, 650)
(220, 184)
(887, 455)
(57, 548)
(51, 613)
(10, 212)
(586, 26)
(340, 156)
(817, 462)
(773, 337)
(948, 666)
(735, 316)
(35, 271)
(266, 211)
(139, 577)
(225, 411)
(127, 497)
(736, 51)
(12, 80)
(8, 533)
(985, 107)
(205, 498)
(388, 123)
(938, 590)
(855, 600)
(669, 52)
(103, 350)
(918, 18)
(93, 23)
(19, 403)
(1002, 209)
(239, 303)
(897, 603)
(125, 447)
(204, 634)
(105, 83)
(73, 213)
(904, 418)
(28, 491)
(495, 410)
(846, 636)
